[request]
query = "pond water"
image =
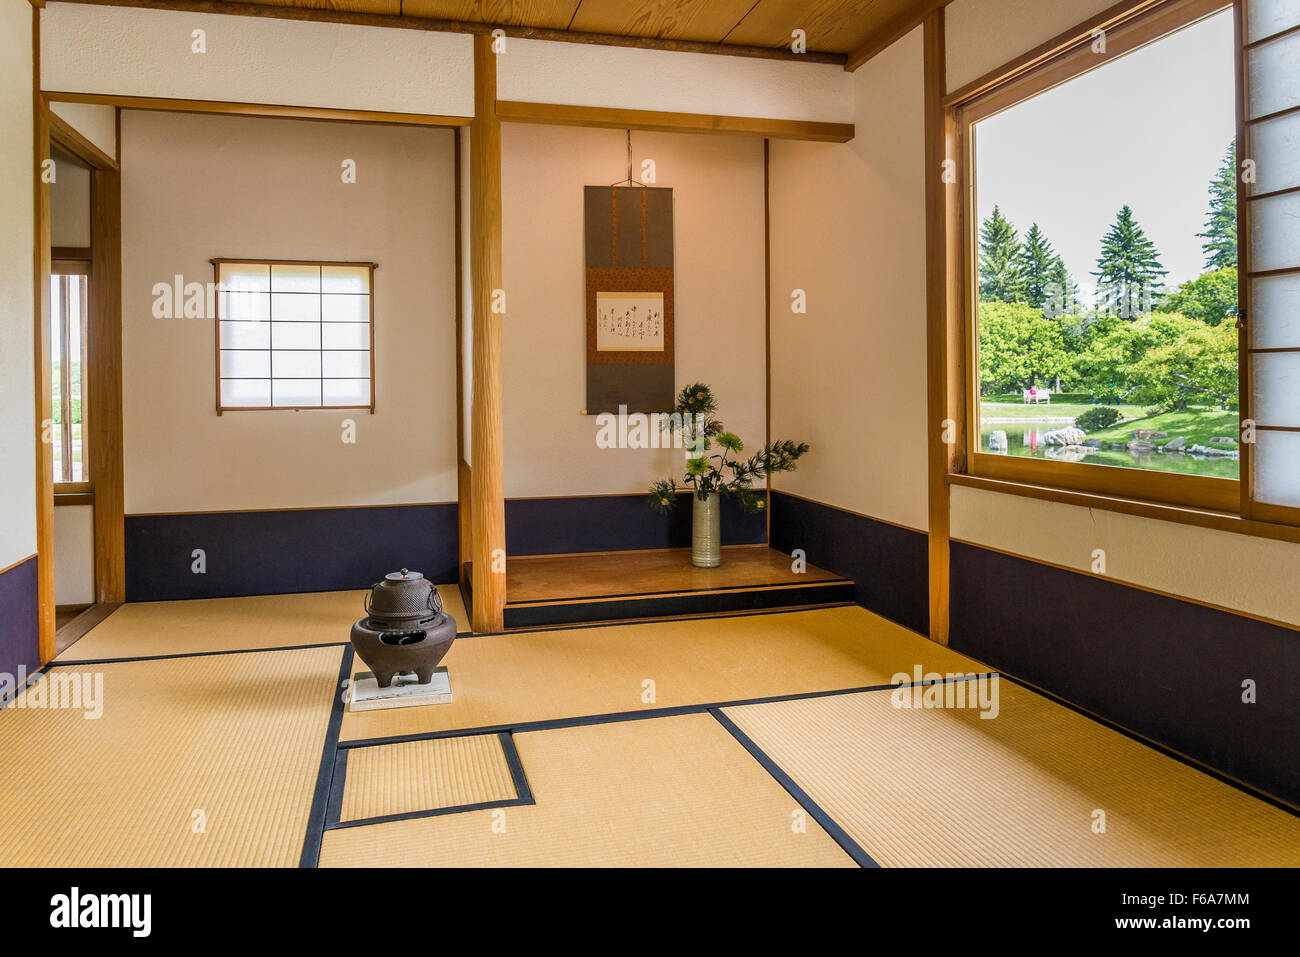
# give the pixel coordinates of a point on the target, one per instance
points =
(1026, 439)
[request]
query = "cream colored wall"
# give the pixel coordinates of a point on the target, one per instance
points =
(74, 555)
(1254, 575)
(17, 372)
(618, 77)
(848, 227)
(69, 202)
(717, 187)
(1247, 574)
(96, 123)
(196, 187)
(984, 34)
(140, 52)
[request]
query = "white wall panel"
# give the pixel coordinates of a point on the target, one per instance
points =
(580, 74)
(131, 51)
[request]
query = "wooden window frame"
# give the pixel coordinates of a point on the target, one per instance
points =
(1246, 197)
(64, 267)
(1128, 27)
(216, 336)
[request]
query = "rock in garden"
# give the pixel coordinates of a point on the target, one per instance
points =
(1066, 436)
(1220, 440)
(1093, 443)
(1175, 444)
(1147, 435)
(1141, 446)
(1219, 453)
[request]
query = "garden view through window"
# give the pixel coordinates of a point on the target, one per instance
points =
(1107, 263)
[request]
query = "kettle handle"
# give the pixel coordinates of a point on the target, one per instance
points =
(435, 600)
(365, 599)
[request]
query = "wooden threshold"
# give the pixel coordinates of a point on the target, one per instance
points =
(76, 629)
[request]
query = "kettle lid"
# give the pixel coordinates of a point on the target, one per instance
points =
(404, 576)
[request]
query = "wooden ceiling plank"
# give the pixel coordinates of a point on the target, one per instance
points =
(387, 7)
(890, 32)
(834, 25)
(670, 19)
(548, 14)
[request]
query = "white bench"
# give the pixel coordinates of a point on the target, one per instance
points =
(1037, 396)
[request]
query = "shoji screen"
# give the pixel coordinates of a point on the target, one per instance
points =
(1269, 238)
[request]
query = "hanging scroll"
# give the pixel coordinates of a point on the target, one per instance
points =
(629, 239)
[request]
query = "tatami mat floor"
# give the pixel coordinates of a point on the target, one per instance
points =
(151, 628)
(753, 740)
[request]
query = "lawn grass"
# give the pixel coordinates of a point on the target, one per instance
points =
(1196, 426)
(1057, 410)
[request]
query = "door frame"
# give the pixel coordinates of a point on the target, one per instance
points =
(102, 420)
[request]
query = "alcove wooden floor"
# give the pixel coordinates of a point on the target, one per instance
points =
(603, 586)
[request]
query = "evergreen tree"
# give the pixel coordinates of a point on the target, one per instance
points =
(1220, 246)
(1000, 279)
(1063, 291)
(1128, 269)
(1035, 262)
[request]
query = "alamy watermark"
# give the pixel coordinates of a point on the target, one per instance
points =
(953, 690)
(62, 689)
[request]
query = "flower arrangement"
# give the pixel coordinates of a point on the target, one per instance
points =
(715, 453)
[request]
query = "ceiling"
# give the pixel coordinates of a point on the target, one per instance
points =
(832, 26)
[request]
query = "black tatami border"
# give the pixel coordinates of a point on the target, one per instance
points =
(523, 793)
(325, 775)
(828, 824)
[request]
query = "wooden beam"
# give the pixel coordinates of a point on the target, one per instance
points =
(892, 31)
(277, 111)
(72, 142)
(103, 419)
(45, 623)
(405, 22)
(487, 485)
(665, 122)
(944, 428)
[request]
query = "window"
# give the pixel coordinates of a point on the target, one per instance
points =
(294, 335)
(1270, 61)
(1102, 308)
(69, 289)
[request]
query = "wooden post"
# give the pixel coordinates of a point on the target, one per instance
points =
(104, 385)
(488, 520)
(944, 367)
(44, 411)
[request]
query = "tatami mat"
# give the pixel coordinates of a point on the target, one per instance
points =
(425, 776)
(933, 787)
(142, 629)
(521, 677)
(676, 791)
(204, 761)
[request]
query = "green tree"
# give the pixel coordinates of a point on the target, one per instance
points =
(1199, 367)
(1165, 359)
(1019, 347)
(1038, 266)
(1220, 246)
(999, 266)
(1211, 297)
(1128, 269)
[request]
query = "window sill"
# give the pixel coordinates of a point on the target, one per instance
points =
(1180, 514)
